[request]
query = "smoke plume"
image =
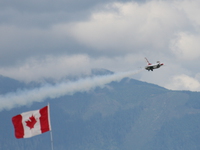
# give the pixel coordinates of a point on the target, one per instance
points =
(24, 97)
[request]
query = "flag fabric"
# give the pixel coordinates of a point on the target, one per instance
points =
(32, 123)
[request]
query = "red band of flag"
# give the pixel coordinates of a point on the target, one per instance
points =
(32, 123)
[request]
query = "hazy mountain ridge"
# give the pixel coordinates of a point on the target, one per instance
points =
(127, 115)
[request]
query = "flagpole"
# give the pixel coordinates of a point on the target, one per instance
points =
(51, 136)
(51, 140)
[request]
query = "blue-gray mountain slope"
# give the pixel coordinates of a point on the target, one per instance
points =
(126, 115)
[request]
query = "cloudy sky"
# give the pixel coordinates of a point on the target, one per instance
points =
(54, 39)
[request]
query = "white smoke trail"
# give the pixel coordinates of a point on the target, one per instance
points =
(20, 98)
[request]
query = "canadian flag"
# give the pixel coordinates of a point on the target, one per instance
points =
(32, 123)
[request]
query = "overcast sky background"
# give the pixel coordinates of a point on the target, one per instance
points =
(54, 39)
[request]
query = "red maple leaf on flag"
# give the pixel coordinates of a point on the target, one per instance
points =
(31, 122)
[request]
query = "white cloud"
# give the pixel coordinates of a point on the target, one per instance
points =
(186, 46)
(184, 82)
(58, 67)
(117, 36)
(191, 9)
(49, 67)
(131, 27)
